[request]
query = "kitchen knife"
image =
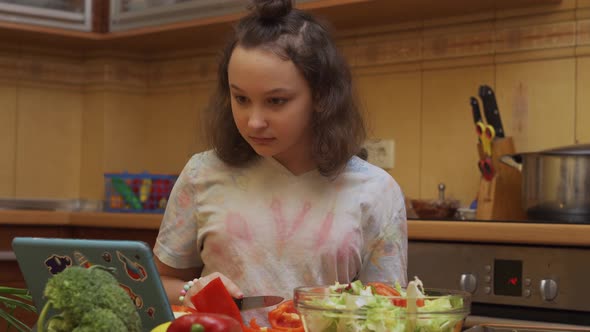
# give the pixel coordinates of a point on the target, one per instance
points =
(490, 109)
(253, 302)
(475, 110)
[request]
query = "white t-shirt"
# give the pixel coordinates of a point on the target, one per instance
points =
(270, 231)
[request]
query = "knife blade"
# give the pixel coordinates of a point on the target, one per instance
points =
(490, 109)
(253, 302)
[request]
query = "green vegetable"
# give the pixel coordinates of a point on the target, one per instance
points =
(88, 299)
(354, 308)
(10, 299)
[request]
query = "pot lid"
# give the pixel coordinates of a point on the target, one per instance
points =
(577, 150)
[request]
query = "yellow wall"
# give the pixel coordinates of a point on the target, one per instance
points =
(68, 118)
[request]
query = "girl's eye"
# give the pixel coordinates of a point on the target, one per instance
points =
(241, 99)
(277, 101)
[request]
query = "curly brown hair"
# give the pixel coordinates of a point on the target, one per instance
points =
(338, 127)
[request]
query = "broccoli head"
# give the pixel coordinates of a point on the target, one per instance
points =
(83, 296)
(101, 320)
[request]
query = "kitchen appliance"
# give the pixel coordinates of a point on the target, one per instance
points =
(556, 183)
(520, 328)
(510, 283)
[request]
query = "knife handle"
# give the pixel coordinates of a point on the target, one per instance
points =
(475, 110)
(238, 302)
(490, 109)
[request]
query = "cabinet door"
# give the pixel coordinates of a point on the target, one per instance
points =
(65, 14)
(133, 14)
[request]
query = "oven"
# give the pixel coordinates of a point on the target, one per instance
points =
(541, 286)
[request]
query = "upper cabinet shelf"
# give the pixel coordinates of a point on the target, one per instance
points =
(138, 14)
(142, 25)
(61, 14)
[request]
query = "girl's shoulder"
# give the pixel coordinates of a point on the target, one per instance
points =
(368, 175)
(205, 158)
(208, 162)
(362, 168)
(203, 162)
(375, 183)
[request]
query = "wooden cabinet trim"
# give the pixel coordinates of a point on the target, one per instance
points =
(341, 14)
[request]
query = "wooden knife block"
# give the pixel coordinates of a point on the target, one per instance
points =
(500, 198)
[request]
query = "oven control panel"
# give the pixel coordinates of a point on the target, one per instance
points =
(533, 276)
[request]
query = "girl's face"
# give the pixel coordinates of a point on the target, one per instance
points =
(272, 106)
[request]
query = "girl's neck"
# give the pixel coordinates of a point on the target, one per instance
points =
(297, 164)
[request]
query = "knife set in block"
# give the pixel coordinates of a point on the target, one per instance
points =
(499, 198)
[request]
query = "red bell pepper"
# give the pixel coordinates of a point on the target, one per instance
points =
(254, 327)
(285, 318)
(214, 298)
(205, 322)
(181, 308)
(380, 288)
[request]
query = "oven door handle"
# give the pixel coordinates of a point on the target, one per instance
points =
(476, 324)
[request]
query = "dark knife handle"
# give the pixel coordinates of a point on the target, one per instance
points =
(475, 110)
(239, 303)
(490, 109)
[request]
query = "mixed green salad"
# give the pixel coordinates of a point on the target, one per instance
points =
(378, 307)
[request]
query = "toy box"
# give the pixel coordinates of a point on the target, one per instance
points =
(140, 192)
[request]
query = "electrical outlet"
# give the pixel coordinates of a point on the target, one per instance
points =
(381, 152)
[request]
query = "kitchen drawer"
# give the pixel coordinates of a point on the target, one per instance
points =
(8, 232)
(105, 233)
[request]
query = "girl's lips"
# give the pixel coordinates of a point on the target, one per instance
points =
(262, 140)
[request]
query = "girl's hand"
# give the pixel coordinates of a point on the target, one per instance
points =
(199, 283)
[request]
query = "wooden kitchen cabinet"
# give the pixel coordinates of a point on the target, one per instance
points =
(172, 26)
(137, 14)
(61, 14)
(146, 235)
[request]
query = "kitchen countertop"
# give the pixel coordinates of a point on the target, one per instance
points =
(460, 231)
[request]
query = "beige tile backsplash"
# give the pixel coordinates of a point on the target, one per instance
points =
(7, 139)
(48, 142)
(66, 118)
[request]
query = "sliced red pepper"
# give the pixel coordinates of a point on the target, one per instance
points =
(285, 318)
(254, 327)
(384, 289)
(214, 298)
(181, 308)
(209, 323)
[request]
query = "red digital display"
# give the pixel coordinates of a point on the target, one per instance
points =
(507, 277)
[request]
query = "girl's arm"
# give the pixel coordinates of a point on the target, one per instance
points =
(174, 280)
(386, 254)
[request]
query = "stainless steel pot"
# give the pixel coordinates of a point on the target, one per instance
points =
(555, 183)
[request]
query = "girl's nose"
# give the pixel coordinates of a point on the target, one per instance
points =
(257, 120)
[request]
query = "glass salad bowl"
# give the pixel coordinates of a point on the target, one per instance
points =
(336, 308)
